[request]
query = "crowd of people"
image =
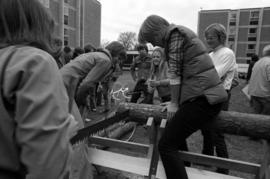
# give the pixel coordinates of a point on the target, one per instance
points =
(45, 89)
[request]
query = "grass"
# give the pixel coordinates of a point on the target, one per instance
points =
(239, 147)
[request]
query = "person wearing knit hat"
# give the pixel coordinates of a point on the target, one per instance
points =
(196, 90)
(91, 68)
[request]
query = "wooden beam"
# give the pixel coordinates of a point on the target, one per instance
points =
(252, 125)
(265, 168)
(140, 165)
(108, 142)
(236, 165)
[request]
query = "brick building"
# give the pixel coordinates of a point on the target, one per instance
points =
(248, 29)
(78, 22)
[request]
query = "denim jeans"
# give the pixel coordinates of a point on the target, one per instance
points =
(190, 117)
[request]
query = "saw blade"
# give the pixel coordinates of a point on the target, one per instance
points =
(88, 131)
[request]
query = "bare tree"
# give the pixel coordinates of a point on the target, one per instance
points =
(128, 39)
(104, 43)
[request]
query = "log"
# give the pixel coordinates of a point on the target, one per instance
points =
(230, 122)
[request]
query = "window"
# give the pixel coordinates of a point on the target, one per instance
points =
(252, 38)
(232, 23)
(65, 19)
(251, 46)
(254, 14)
(65, 41)
(231, 38)
(233, 15)
(65, 31)
(254, 17)
(66, 10)
(232, 31)
(249, 54)
(252, 30)
(253, 22)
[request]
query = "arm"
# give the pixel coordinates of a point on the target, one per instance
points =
(41, 115)
(174, 59)
(227, 62)
(96, 74)
(174, 73)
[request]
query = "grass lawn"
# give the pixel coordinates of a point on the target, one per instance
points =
(239, 147)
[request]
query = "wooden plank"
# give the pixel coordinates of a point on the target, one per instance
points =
(220, 162)
(265, 167)
(117, 161)
(194, 173)
(151, 130)
(140, 166)
(108, 142)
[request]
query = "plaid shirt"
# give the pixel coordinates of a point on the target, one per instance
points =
(175, 57)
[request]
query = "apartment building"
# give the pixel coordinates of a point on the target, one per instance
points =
(78, 22)
(248, 29)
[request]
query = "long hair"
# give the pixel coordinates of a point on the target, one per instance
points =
(26, 22)
(161, 69)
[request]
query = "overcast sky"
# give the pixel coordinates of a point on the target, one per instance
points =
(127, 15)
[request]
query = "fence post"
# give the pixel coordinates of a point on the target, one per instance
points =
(265, 166)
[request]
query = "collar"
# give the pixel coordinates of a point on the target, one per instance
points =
(218, 47)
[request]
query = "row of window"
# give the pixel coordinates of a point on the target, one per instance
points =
(231, 38)
(253, 18)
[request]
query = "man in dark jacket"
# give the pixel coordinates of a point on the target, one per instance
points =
(196, 90)
(140, 72)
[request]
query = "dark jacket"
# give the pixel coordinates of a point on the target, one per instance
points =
(199, 76)
(143, 65)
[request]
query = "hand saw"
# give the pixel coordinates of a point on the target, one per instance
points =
(106, 121)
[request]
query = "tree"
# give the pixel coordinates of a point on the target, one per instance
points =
(104, 43)
(128, 39)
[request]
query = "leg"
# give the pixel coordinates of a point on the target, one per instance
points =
(208, 146)
(188, 119)
(166, 98)
(148, 97)
(137, 91)
(221, 150)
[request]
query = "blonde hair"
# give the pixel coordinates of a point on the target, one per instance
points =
(219, 30)
(162, 64)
